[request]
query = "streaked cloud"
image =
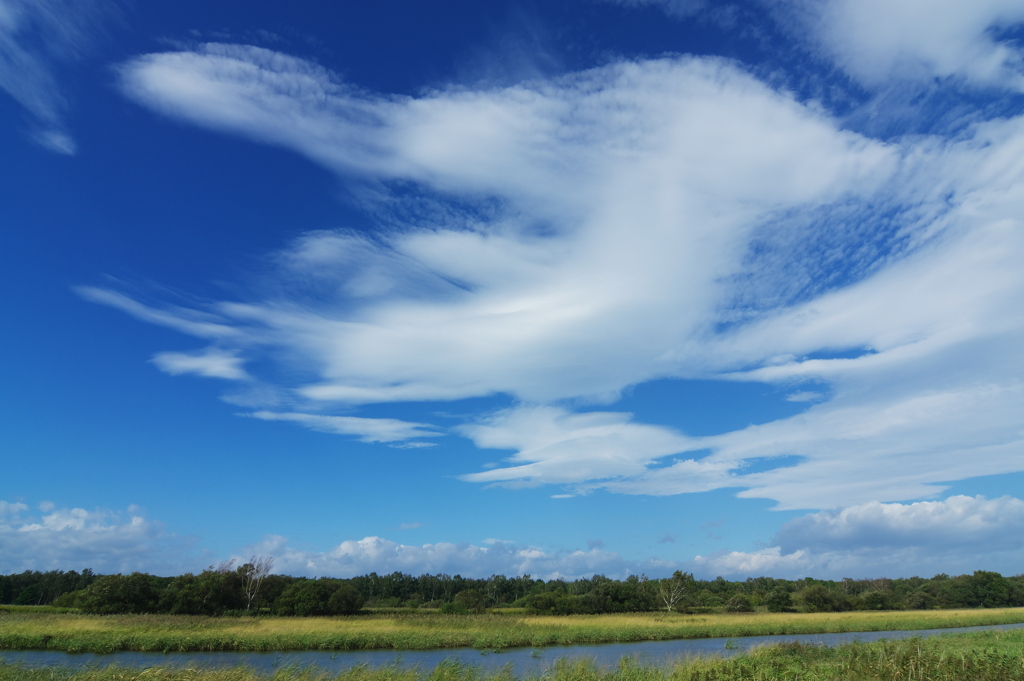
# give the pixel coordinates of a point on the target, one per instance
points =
(882, 41)
(673, 218)
(556, 447)
(804, 396)
(212, 363)
(367, 430)
(35, 36)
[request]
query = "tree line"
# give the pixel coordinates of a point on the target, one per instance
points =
(252, 588)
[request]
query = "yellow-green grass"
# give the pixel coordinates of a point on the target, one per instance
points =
(37, 608)
(986, 656)
(415, 631)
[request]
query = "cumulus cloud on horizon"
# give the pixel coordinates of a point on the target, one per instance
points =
(103, 540)
(955, 535)
(959, 534)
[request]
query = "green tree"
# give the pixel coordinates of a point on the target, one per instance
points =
(211, 592)
(778, 600)
(344, 601)
(30, 595)
(307, 598)
(739, 603)
(117, 594)
(818, 598)
(474, 600)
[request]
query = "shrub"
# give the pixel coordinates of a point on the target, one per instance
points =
(817, 598)
(453, 608)
(739, 603)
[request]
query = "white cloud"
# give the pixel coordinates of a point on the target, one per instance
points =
(959, 521)
(661, 218)
(882, 42)
(959, 534)
(212, 363)
(413, 445)
(11, 509)
(367, 430)
(74, 538)
(877, 41)
(34, 36)
(555, 446)
(956, 535)
(552, 296)
(804, 396)
(191, 322)
(374, 554)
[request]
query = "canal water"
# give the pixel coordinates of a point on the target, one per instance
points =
(522, 661)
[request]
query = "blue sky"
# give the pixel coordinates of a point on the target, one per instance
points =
(503, 287)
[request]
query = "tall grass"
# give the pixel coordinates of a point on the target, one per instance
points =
(988, 656)
(177, 633)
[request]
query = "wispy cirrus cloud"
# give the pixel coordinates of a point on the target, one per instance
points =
(211, 362)
(882, 41)
(546, 298)
(554, 446)
(562, 239)
(35, 36)
(365, 429)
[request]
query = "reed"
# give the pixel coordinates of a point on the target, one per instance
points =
(414, 631)
(983, 656)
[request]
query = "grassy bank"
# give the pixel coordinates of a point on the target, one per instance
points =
(414, 631)
(987, 656)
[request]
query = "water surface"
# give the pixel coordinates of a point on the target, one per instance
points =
(523, 661)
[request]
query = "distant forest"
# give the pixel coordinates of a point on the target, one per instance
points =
(252, 589)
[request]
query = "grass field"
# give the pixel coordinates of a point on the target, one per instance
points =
(984, 656)
(21, 630)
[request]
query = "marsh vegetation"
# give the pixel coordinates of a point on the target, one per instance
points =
(69, 632)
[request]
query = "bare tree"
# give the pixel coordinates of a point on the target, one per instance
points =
(673, 590)
(253, 574)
